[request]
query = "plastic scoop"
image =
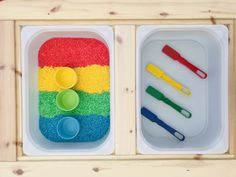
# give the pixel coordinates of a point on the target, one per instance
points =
(172, 53)
(160, 96)
(152, 117)
(68, 128)
(154, 70)
(65, 77)
(67, 100)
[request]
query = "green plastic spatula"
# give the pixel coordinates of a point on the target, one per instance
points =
(160, 96)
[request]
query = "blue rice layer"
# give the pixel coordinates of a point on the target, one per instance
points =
(92, 128)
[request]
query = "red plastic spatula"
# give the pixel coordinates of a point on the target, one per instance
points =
(172, 53)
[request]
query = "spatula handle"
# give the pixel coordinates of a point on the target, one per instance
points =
(185, 91)
(158, 73)
(161, 97)
(178, 108)
(193, 68)
(152, 117)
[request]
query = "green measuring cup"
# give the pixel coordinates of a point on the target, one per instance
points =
(67, 100)
(161, 97)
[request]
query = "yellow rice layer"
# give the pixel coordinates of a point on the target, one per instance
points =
(91, 79)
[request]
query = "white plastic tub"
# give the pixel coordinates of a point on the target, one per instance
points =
(34, 143)
(206, 46)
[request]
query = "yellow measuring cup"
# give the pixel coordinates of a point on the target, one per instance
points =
(65, 77)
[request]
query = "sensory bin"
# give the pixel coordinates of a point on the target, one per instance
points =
(90, 59)
(87, 52)
(182, 103)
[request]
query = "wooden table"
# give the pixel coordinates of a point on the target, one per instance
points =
(124, 16)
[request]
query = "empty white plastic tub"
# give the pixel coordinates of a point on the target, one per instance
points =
(34, 143)
(206, 46)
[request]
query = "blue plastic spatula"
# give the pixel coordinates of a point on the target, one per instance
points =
(152, 117)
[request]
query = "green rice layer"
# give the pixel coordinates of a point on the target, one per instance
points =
(90, 104)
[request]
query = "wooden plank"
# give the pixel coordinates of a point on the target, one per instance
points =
(7, 92)
(114, 9)
(125, 89)
(127, 157)
(152, 168)
(19, 147)
(232, 89)
(122, 22)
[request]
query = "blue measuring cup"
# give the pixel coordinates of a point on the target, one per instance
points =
(68, 128)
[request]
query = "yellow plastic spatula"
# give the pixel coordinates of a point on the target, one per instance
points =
(154, 70)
